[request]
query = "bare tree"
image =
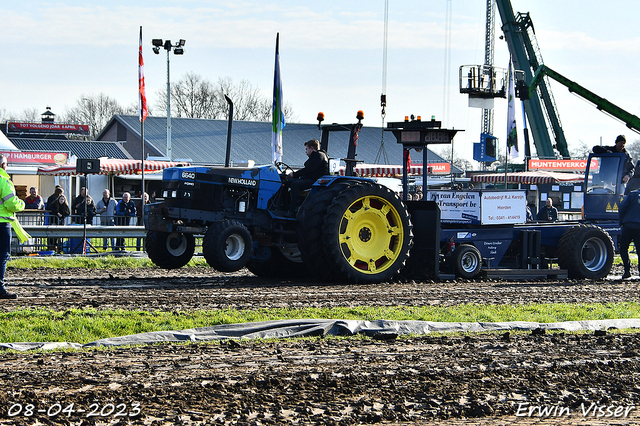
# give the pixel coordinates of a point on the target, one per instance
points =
(96, 110)
(581, 151)
(460, 162)
(28, 115)
(194, 97)
(634, 149)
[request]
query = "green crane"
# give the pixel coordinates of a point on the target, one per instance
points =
(632, 121)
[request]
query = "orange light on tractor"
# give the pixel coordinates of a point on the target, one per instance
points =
(321, 117)
(360, 115)
(406, 118)
(419, 118)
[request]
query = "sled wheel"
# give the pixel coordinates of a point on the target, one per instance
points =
(586, 251)
(467, 261)
(310, 220)
(170, 250)
(227, 246)
(367, 234)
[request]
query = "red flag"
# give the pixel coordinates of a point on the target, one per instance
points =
(142, 98)
(407, 157)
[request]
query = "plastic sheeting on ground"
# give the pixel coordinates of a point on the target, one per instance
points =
(326, 327)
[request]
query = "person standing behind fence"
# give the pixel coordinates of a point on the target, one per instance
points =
(79, 206)
(54, 196)
(125, 210)
(9, 205)
(106, 208)
(140, 215)
(33, 201)
(51, 218)
(59, 210)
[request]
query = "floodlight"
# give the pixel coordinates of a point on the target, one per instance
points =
(157, 42)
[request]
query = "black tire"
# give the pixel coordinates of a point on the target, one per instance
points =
(226, 246)
(586, 251)
(310, 219)
(170, 250)
(467, 261)
(281, 264)
(367, 234)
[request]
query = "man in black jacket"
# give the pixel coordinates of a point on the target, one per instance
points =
(548, 213)
(618, 147)
(629, 212)
(314, 168)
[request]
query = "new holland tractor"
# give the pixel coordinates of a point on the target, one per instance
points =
(347, 228)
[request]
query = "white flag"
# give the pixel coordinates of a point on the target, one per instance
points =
(512, 133)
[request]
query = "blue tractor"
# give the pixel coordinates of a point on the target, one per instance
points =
(347, 228)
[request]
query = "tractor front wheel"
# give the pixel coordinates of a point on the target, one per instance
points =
(170, 250)
(227, 246)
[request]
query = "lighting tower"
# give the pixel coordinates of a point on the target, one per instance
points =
(178, 49)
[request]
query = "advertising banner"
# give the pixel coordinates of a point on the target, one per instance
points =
(562, 165)
(36, 157)
(457, 206)
(504, 207)
(13, 127)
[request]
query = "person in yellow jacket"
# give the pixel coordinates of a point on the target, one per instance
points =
(9, 205)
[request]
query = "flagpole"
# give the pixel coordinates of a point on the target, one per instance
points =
(142, 103)
(506, 163)
(278, 121)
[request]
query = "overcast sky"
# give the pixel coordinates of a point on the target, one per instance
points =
(331, 56)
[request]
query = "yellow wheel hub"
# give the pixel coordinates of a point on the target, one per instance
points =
(371, 234)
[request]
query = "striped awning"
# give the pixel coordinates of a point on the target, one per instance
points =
(375, 170)
(112, 166)
(532, 178)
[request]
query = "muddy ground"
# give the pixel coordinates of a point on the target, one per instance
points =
(517, 378)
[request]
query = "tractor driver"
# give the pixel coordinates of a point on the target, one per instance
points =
(314, 168)
(618, 147)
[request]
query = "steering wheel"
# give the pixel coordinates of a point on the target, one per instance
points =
(282, 167)
(600, 189)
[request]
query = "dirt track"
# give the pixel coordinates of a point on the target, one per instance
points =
(477, 379)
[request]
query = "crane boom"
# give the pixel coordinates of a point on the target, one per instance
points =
(632, 121)
(526, 57)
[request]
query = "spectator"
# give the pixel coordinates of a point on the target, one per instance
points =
(629, 212)
(51, 218)
(59, 211)
(634, 182)
(79, 207)
(529, 215)
(548, 213)
(58, 191)
(140, 215)
(618, 147)
(125, 210)
(106, 208)
(33, 201)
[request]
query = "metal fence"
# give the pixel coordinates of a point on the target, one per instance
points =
(49, 238)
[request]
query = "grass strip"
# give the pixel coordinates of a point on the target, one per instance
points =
(90, 262)
(88, 324)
